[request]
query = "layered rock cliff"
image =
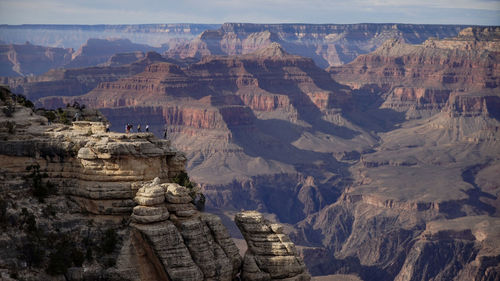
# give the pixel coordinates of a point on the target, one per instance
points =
(419, 207)
(28, 59)
(97, 51)
(418, 79)
(78, 81)
(270, 254)
(326, 44)
(110, 210)
(73, 36)
(238, 103)
(369, 189)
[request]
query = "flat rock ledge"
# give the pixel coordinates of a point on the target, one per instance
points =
(270, 255)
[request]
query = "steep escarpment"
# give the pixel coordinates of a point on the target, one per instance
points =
(97, 51)
(78, 81)
(326, 44)
(28, 59)
(81, 203)
(418, 79)
(73, 36)
(417, 209)
(369, 185)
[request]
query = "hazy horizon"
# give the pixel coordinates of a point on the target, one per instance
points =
(463, 12)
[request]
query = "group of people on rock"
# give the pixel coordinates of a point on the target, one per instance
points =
(129, 128)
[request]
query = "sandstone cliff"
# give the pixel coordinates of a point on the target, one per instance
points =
(422, 204)
(109, 210)
(270, 255)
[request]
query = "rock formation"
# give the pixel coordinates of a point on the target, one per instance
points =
(103, 180)
(123, 58)
(73, 82)
(97, 51)
(326, 44)
(28, 59)
(418, 79)
(236, 102)
(73, 36)
(189, 245)
(270, 255)
(380, 180)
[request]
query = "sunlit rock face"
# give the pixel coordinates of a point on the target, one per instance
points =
(113, 194)
(270, 255)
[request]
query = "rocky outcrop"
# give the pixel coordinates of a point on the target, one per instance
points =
(122, 182)
(100, 171)
(246, 85)
(189, 245)
(270, 255)
(326, 44)
(485, 103)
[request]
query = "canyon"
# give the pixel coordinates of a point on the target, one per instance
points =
(80, 203)
(28, 60)
(73, 36)
(20, 60)
(383, 166)
(326, 44)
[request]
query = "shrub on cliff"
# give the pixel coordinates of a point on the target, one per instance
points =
(65, 253)
(10, 100)
(194, 191)
(11, 127)
(3, 212)
(32, 253)
(22, 100)
(40, 188)
(109, 241)
(9, 108)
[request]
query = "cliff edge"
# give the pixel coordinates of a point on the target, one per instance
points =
(80, 203)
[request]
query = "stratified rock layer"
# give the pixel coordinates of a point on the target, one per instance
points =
(270, 255)
(28, 59)
(327, 44)
(190, 245)
(419, 79)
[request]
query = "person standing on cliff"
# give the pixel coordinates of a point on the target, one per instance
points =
(147, 127)
(139, 128)
(107, 128)
(165, 134)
